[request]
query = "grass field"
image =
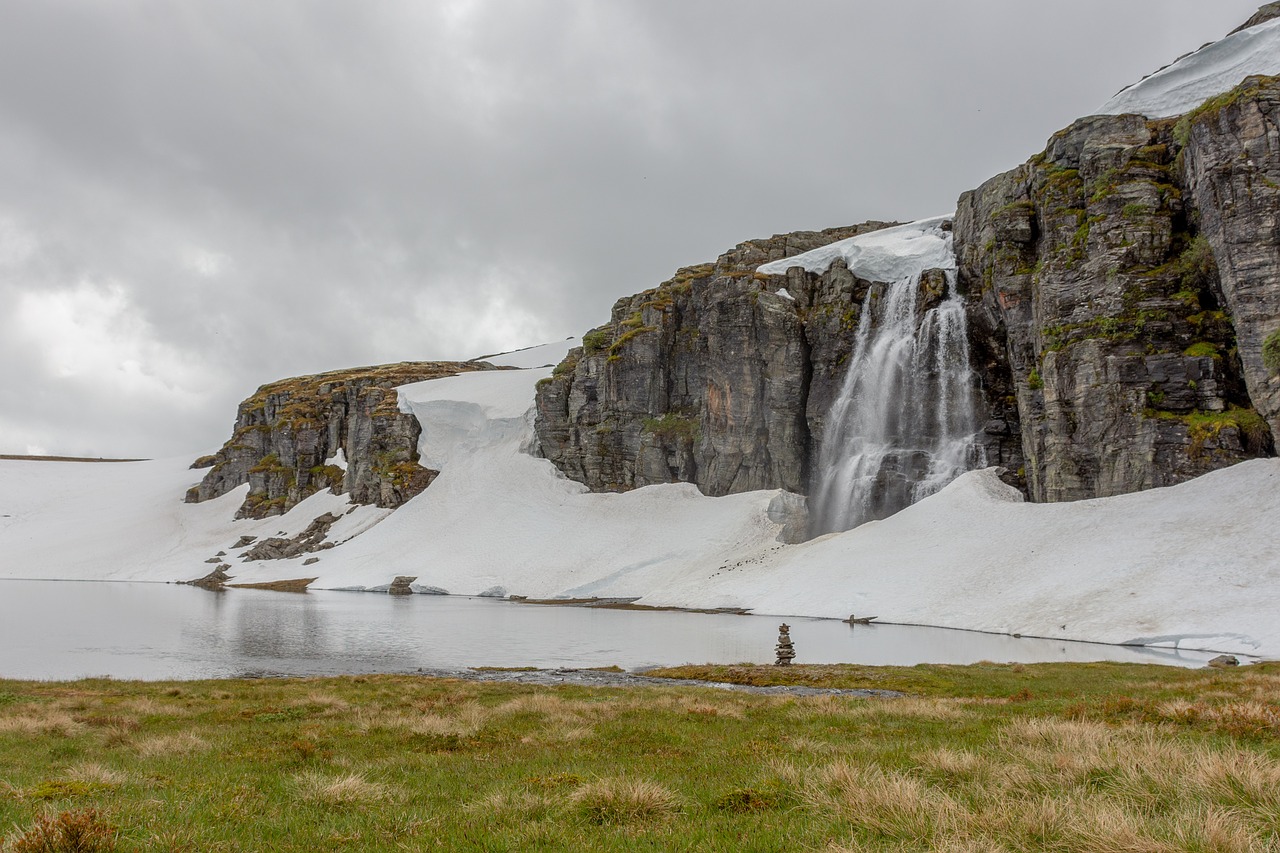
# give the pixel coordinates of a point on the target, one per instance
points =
(1095, 757)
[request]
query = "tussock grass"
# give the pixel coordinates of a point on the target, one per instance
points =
(350, 790)
(624, 801)
(990, 757)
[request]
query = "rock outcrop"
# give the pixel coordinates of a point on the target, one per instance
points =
(1131, 334)
(1123, 293)
(341, 430)
(714, 377)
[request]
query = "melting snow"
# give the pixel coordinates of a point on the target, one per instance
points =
(887, 255)
(1210, 71)
(1195, 565)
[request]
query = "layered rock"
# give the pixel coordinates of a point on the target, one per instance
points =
(1231, 169)
(1123, 292)
(341, 431)
(714, 377)
(1097, 274)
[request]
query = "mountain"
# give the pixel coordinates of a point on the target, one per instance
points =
(1096, 330)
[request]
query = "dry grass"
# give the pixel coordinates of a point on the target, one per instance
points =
(350, 790)
(183, 743)
(608, 801)
(1071, 758)
(53, 722)
(96, 774)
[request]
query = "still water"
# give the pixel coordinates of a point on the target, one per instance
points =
(64, 630)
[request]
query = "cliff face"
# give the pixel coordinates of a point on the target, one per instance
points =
(1123, 293)
(712, 377)
(288, 434)
(1131, 329)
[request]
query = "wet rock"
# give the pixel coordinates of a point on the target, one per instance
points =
(711, 378)
(1223, 662)
(311, 539)
(400, 586)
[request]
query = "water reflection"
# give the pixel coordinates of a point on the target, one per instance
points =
(61, 630)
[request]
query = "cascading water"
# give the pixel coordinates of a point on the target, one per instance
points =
(904, 423)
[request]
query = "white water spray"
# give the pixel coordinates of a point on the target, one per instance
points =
(904, 423)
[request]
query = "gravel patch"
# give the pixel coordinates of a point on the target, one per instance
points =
(598, 678)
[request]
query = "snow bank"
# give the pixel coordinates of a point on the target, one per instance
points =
(1193, 566)
(886, 255)
(544, 355)
(1210, 71)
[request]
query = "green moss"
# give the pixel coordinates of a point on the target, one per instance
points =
(674, 426)
(269, 464)
(596, 340)
(1203, 349)
(1271, 352)
(1034, 380)
(1210, 109)
(1204, 426)
(623, 339)
(1133, 210)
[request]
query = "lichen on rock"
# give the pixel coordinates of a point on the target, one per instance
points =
(289, 433)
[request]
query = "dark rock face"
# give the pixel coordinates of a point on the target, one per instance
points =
(1097, 273)
(711, 378)
(1123, 292)
(1231, 168)
(288, 430)
(309, 540)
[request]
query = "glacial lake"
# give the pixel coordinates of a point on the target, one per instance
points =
(59, 630)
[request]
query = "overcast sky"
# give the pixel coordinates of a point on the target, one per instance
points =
(200, 197)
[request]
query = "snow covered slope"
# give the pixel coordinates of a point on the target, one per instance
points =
(886, 255)
(1210, 71)
(1196, 565)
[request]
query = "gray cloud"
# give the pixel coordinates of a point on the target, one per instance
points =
(202, 197)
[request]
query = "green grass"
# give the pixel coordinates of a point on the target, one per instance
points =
(986, 757)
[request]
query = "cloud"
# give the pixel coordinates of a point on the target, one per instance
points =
(254, 190)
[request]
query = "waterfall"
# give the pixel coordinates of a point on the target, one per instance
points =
(904, 423)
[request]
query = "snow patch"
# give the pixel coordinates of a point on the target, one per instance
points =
(1190, 566)
(1210, 71)
(886, 255)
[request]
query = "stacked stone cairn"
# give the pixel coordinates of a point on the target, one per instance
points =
(785, 650)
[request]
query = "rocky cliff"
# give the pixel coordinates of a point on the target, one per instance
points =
(1129, 275)
(341, 430)
(713, 377)
(1123, 298)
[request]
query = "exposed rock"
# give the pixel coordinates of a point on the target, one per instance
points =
(1223, 662)
(310, 560)
(204, 462)
(1268, 12)
(244, 542)
(289, 432)
(711, 378)
(311, 539)
(400, 586)
(1231, 167)
(214, 560)
(216, 580)
(1096, 306)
